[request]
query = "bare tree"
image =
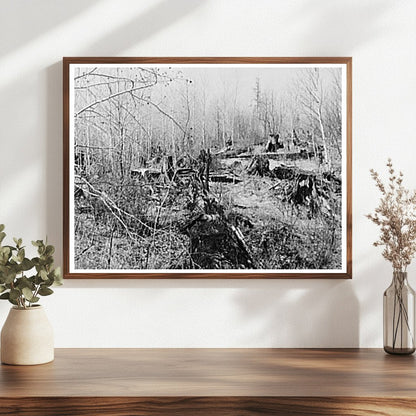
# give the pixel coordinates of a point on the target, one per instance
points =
(312, 97)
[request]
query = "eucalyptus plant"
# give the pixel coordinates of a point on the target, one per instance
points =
(24, 280)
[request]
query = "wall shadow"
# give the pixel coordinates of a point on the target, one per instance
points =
(301, 313)
(163, 14)
(347, 25)
(37, 18)
(54, 145)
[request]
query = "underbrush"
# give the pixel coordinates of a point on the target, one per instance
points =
(142, 226)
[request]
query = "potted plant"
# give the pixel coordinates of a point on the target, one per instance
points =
(27, 336)
(396, 217)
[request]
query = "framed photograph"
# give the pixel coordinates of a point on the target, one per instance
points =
(207, 168)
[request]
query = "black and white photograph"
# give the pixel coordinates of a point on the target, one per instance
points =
(207, 168)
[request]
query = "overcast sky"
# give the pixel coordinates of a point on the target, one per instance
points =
(217, 80)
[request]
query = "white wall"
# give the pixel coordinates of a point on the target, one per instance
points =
(380, 35)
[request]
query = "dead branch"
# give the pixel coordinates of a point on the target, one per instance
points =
(116, 94)
(112, 206)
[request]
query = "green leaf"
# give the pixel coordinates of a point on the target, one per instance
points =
(17, 241)
(26, 264)
(15, 294)
(38, 280)
(2, 236)
(12, 267)
(57, 275)
(48, 282)
(5, 250)
(49, 250)
(21, 255)
(24, 282)
(4, 254)
(7, 296)
(2, 288)
(37, 243)
(43, 274)
(56, 272)
(45, 291)
(9, 277)
(2, 227)
(28, 294)
(11, 247)
(45, 261)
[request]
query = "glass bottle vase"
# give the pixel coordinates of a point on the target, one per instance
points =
(399, 316)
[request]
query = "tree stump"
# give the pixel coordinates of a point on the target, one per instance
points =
(259, 165)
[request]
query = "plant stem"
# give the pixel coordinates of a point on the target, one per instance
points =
(394, 315)
(401, 314)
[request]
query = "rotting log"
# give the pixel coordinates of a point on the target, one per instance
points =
(224, 178)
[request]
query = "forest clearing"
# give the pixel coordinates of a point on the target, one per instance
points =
(178, 168)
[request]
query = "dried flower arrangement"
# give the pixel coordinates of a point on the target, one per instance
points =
(396, 217)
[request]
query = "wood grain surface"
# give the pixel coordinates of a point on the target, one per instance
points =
(208, 406)
(212, 381)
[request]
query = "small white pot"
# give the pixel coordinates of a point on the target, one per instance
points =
(27, 337)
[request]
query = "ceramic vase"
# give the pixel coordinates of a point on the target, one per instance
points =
(27, 337)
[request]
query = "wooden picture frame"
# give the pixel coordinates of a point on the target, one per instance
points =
(218, 167)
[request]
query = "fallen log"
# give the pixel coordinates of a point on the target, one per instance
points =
(224, 178)
(230, 152)
(184, 172)
(280, 155)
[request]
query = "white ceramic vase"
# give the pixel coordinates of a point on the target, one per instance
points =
(27, 337)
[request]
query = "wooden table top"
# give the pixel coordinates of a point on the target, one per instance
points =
(214, 372)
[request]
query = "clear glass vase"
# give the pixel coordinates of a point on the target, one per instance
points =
(399, 316)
